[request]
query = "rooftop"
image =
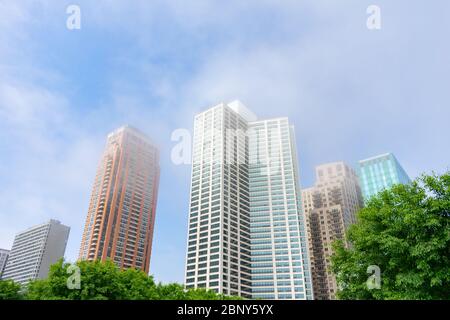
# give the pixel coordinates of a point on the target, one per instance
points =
(376, 157)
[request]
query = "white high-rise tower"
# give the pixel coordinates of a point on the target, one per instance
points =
(35, 250)
(246, 228)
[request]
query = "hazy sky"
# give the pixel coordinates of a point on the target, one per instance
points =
(350, 92)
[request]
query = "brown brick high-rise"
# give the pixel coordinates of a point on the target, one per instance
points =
(121, 216)
(330, 207)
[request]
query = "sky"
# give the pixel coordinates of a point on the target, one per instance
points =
(350, 92)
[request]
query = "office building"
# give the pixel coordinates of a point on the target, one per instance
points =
(379, 173)
(121, 215)
(279, 245)
(330, 207)
(3, 258)
(35, 250)
(218, 255)
(246, 230)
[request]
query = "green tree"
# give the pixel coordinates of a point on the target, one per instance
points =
(405, 231)
(105, 281)
(98, 281)
(204, 294)
(172, 291)
(9, 290)
(175, 291)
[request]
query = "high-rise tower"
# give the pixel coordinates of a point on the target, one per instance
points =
(218, 255)
(380, 172)
(330, 207)
(121, 216)
(4, 254)
(279, 246)
(246, 230)
(35, 250)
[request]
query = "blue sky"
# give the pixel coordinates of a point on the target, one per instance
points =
(350, 92)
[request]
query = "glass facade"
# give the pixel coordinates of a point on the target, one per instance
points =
(280, 264)
(246, 233)
(379, 173)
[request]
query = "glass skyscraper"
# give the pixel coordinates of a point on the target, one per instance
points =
(279, 260)
(246, 228)
(379, 173)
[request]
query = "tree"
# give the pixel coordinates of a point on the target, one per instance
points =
(205, 294)
(9, 290)
(98, 281)
(175, 291)
(404, 231)
(105, 281)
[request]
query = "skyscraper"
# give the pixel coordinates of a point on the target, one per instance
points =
(35, 250)
(330, 207)
(279, 245)
(121, 216)
(246, 229)
(3, 259)
(218, 255)
(380, 172)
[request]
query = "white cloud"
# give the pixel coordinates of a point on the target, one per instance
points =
(30, 107)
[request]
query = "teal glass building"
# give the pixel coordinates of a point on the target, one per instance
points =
(279, 246)
(379, 173)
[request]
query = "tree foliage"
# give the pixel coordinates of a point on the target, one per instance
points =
(98, 281)
(105, 281)
(405, 231)
(10, 290)
(175, 291)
